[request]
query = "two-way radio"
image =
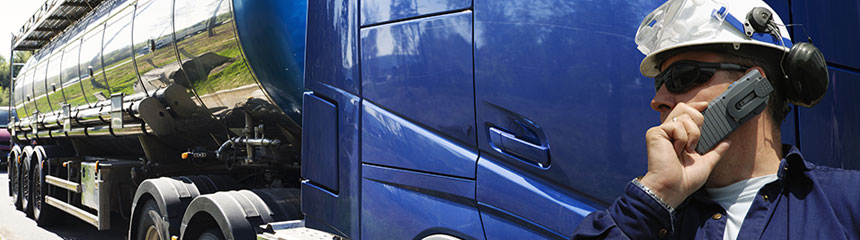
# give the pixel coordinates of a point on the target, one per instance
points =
(743, 100)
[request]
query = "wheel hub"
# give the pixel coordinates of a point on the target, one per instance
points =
(151, 234)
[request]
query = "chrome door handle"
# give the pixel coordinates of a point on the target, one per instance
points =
(508, 143)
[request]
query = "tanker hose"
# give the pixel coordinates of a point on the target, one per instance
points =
(220, 154)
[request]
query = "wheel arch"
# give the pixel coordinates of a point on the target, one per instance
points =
(226, 212)
(239, 214)
(25, 153)
(171, 196)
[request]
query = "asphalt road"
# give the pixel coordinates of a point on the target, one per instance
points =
(15, 225)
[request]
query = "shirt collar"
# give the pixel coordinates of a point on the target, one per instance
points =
(793, 161)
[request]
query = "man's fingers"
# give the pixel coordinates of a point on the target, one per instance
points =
(699, 106)
(694, 110)
(693, 132)
(677, 135)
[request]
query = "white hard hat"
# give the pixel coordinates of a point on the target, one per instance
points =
(686, 23)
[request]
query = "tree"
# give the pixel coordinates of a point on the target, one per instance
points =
(4, 72)
(5, 82)
(23, 56)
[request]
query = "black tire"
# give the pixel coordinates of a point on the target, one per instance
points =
(15, 181)
(9, 176)
(43, 213)
(26, 187)
(149, 223)
(212, 234)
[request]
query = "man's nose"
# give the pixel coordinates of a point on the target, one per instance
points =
(663, 100)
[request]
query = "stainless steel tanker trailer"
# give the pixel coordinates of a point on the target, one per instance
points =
(181, 116)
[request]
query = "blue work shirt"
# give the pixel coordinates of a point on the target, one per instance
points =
(806, 202)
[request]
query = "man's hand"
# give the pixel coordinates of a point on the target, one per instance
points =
(675, 170)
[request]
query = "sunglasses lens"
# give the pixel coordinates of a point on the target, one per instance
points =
(682, 76)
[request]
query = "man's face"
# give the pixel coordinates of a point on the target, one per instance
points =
(664, 101)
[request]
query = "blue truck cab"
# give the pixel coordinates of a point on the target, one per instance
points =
(505, 119)
(359, 119)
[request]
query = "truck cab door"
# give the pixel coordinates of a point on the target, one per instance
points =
(561, 111)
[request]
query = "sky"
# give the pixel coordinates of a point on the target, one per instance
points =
(15, 13)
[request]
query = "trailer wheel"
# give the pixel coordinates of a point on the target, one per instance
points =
(170, 197)
(15, 179)
(26, 186)
(43, 213)
(149, 226)
(212, 234)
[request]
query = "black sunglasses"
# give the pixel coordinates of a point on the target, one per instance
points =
(683, 75)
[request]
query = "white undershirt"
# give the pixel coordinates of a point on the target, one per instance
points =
(736, 199)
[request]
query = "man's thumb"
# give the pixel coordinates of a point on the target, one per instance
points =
(716, 154)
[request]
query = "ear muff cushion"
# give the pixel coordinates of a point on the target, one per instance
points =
(807, 75)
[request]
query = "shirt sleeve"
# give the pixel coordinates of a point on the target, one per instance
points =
(634, 215)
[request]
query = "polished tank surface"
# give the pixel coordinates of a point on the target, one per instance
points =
(272, 36)
(118, 71)
(209, 55)
(153, 49)
(159, 68)
(52, 83)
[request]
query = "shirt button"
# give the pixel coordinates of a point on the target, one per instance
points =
(764, 197)
(717, 216)
(662, 233)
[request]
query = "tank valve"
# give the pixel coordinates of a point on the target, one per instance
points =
(195, 154)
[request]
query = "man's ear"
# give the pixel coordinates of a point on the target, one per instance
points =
(760, 70)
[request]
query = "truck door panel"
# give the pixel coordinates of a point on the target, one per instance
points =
(504, 225)
(403, 204)
(332, 73)
(418, 128)
(390, 140)
(830, 126)
(319, 153)
(560, 104)
(377, 11)
(417, 83)
(833, 26)
(517, 197)
(332, 44)
(330, 193)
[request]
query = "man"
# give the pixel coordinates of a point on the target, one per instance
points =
(749, 186)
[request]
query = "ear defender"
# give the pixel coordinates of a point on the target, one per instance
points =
(804, 67)
(807, 75)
